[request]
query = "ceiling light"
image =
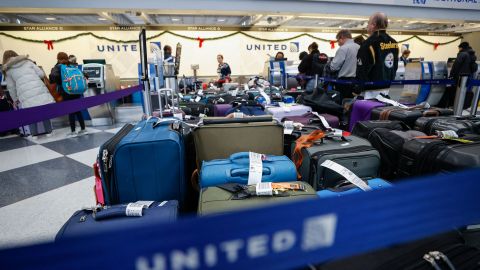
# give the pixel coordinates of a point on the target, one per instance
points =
(175, 19)
(50, 18)
(18, 21)
(220, 20)
(340, 27)
(102, 19)
(321, 23)
(406, 26)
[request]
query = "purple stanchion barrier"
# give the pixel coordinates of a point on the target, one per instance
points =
(13, 119)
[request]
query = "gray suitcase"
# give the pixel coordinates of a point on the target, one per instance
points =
(355, 154)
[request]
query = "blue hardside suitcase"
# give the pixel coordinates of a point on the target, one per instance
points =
(144, 162)
(100, 220)
(375, 183)
(236, 170)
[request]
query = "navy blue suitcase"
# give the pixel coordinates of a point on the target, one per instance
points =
(144, 162)
(114, 218)
(375, 184)
(236, 169)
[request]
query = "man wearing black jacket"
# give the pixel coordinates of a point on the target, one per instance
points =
(313, 64)
(377, 58)
(464, 65)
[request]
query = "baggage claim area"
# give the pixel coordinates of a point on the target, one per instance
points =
(244, 134)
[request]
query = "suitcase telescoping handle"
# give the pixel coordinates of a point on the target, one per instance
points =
(222, 120)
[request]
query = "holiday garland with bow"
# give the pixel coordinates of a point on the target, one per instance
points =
(202, 40)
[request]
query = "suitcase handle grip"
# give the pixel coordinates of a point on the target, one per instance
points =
(245, 172)
(252, 119)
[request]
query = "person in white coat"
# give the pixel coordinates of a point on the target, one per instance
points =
(25, 84)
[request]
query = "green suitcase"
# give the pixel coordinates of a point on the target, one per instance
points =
(217, 200)
(219, 137)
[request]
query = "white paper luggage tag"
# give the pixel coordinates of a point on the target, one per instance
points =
(391, 102)
(446, 134)
(238, 115)
(200, 92)
(264, 189)
(179, 116)
(323, 120)
(234, 93)
(180, 95)
(197, 99)
(255, 168)
(145, 204)
(347, 174)
(288, 127)
(134, 210)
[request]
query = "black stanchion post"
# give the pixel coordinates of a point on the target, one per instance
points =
(460, 96)
(147, 103)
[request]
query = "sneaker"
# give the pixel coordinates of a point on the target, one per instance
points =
(82, 132)
(71, 135)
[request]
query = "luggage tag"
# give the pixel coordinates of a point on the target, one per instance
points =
(180, 95)
(200, 92)
(391, 102)
(134, 210)
(197, 99)
(145, 204)
(234, 93)
(238, 115)
(288, 127)
(325, 124)
(264, 189)
(255, 168)
(346, 173)
(288, 186)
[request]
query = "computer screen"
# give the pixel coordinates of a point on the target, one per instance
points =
(94, 61)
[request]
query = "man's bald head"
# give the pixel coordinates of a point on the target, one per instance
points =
(376, 22)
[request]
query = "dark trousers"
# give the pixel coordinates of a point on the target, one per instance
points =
(345, 90)
(71, 119)
(448, 98)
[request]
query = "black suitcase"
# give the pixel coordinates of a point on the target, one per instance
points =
(413, 255)
(389, 143)
(193, 108)
(426, 156)
(364, 128)
(407, 116)
(461, 125)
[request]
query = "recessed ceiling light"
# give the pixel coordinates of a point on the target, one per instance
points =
(340, 27)
(321, 23)
(406, 26)
(50, 18)
(102, 19)
(220, 20)
(175, 19)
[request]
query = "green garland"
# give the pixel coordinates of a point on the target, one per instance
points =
(207, 39)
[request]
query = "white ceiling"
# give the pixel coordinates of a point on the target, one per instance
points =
(263, 20)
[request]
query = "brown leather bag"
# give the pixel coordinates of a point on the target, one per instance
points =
(52, 88)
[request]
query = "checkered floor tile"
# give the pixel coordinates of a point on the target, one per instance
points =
(43, 180)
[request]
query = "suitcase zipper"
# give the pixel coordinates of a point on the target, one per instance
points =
(107, 156)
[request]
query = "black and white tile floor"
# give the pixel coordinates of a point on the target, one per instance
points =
(43, 181)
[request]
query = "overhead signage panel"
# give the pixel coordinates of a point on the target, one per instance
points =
(455, 4)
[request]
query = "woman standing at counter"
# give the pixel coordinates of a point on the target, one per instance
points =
(223, 71)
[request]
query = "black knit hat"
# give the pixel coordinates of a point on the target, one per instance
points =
(464, 45)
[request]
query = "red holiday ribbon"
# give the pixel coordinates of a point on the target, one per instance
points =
(200, 40)
(435, 46)
(332, 44)
(49, 44)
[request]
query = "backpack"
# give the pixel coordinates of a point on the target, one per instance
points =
(319, 60)
(73, 80)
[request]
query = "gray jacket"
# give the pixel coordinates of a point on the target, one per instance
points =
(345, 60)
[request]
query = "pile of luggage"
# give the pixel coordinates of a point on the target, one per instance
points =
(246, 153)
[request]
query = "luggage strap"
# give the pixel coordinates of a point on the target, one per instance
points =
(305, 141)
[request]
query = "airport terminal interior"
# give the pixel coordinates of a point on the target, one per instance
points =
(109, 103)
